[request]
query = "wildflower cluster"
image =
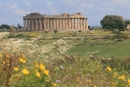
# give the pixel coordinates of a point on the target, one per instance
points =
(14, 68)
(41, 68)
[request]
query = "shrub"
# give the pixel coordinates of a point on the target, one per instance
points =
(55, 31)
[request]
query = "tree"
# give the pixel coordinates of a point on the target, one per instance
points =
(19, 26)
(5, 26)
(113, 22)
(127, 22)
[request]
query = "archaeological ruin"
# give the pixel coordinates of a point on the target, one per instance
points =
(63, 22)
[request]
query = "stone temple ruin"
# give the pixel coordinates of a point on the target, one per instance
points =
(63, 22)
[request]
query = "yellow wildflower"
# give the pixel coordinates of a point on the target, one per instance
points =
(23, 56)
(0, 55)
(80, 82)
(46, 72)
(115, 74)
(109, 69)
(54, 84)
(16, 68)
(36, 64)
(37, 74)
(22, 60)
(6, 56)
(41, 66)
(25, 71)
(3, 62)
(94, 86)
(122, 77)
(88, 81)
(128, 81)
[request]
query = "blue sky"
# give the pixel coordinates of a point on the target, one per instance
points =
(12, 11)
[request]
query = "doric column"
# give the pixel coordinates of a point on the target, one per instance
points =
(54, 24)
(57, 23)
(25, 21)
(44, 21)
(60, 23)
(78, 23)
(74, 23)
(35, 23)
(50, 23)
(71, 23)
(28, 26)
(40, 23)
(66, 23)
(86, 24)
(83, 23)
(47, 23)
(32, 24)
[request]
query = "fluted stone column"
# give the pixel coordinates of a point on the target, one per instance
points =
(47, 24)
(25, 22)
(28, 24)
(44, 21)
(50, 23)
(74, 23)
(36, 24)
(86, 23)
(56, 24)
(66, 23)
(78, 23)
(60, 22)
(69, 23)
(83, 23)
(40, 23)
(32, 24)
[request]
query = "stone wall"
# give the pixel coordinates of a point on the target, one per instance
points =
(63, 22)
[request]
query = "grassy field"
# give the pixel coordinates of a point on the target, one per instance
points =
(65, 59)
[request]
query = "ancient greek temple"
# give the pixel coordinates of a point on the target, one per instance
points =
(63, 22)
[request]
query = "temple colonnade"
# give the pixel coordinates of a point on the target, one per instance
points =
(43, 23)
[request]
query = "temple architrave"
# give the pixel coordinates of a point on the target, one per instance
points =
(63, 22)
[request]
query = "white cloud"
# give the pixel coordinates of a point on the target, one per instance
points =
(15, 9)
(49, 3)
(4, 20)
(0, 6)
(27, 3)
